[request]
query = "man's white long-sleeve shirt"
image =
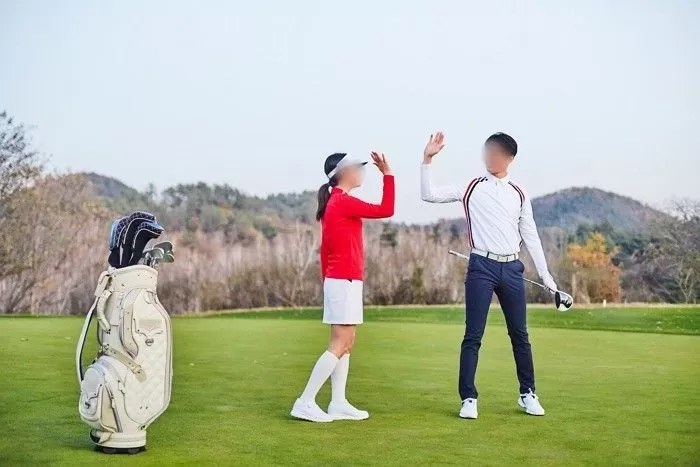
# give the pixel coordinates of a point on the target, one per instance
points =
(498, 213)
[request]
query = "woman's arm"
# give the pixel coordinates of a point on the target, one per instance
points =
(357, 208)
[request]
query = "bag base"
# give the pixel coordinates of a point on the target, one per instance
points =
(113, 443)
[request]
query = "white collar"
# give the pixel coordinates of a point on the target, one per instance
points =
(503, 180)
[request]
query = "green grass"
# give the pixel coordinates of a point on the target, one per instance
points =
(672, 320)
(611, 397)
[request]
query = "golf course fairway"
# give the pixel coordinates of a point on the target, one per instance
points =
(612, 398)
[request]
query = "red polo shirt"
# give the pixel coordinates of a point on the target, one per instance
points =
(342, 250)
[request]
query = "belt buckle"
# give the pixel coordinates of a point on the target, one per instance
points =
(503, 258)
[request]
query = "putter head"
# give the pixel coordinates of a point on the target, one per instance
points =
(563, 300)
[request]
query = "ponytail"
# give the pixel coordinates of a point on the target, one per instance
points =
(324, 194)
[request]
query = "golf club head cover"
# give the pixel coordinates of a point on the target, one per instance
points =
(127, 238)
(116, 232)
(127, 387)
(146, 232)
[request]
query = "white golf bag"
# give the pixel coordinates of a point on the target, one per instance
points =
(127, 387)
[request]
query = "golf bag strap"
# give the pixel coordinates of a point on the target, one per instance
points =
(134, 367)
(127, 336)
(102, 293)
(81, 342)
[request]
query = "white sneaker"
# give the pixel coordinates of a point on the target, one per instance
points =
(309, 411)
(346, 411)
(468, 409)
(530, 403)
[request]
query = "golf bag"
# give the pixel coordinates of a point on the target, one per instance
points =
(127, 387)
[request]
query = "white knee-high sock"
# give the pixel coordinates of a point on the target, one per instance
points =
(339, 378)
(325, 365)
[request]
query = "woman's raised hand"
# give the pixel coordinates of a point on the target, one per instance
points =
(379, 159)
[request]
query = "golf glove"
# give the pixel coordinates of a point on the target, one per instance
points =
(549, 283)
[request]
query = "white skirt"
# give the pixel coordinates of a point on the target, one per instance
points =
(342, 301)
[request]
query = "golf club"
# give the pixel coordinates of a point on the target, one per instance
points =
(562, 300)
(167, 247)
(152, 257)
(168, 253)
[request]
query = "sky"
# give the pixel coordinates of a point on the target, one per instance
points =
(257, 94)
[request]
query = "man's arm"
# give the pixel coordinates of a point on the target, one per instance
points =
(528, 232)
(429, 192)
(441, 194)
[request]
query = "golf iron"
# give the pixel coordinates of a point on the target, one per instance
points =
(562, 300)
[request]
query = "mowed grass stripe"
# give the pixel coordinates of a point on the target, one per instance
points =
(611, 398)
(681, 320)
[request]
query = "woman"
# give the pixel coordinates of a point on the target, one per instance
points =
(342, 268)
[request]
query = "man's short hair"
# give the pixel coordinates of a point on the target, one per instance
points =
(504, 141)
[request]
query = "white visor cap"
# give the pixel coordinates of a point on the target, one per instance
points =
(347, 161)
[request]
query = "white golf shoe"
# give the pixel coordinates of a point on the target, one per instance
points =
(531, 404)
(468, 409)
(309, 411)
(344, 410)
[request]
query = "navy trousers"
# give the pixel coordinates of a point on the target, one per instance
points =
(486, 276)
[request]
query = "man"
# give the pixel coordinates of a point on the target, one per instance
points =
(499, 218)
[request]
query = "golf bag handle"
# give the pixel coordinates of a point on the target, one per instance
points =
(81, 342)
(102, 293)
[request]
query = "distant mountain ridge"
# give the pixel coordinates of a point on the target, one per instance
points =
(571, 207)
(217, 206)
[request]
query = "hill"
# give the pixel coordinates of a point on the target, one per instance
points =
(572, 207)
(117, 195)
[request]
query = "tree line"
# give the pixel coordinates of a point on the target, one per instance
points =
(238, 251)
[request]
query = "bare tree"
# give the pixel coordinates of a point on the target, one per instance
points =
(19, 168)
(673, 258)
(19, 162)
(290, 267)
(44, 224)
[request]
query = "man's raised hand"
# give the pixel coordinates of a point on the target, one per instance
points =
(434, 146)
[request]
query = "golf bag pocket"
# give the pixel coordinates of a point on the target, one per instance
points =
(96, 403)
(146, 398)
